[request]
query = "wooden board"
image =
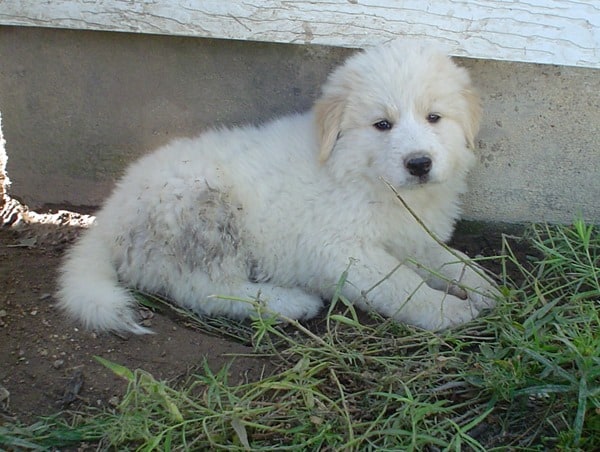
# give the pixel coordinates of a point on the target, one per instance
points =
(565, 32)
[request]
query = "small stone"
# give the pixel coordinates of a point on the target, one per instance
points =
(58, 363)
(4, 396)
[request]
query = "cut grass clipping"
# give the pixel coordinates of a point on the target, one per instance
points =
(526, 376)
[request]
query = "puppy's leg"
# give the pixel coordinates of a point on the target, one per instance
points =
(293, 303)
(378, 282)
(459, 275)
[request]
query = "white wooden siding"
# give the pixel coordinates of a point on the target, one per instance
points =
(565, 32)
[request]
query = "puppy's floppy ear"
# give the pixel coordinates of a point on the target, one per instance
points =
(328, 110)
(472, 116)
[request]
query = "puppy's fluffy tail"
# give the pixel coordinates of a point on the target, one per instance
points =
(89, 288)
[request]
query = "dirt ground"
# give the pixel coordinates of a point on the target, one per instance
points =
(46, 361)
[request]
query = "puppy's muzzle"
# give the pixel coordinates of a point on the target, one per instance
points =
(418, 166)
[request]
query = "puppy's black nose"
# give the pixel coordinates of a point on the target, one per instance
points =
(418, 166)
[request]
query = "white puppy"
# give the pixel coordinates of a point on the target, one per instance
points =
(276, 213)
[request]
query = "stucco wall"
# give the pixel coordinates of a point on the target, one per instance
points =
(77, 106)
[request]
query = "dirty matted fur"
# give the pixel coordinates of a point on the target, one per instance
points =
(277, 212)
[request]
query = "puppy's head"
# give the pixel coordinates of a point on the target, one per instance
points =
(403, 111)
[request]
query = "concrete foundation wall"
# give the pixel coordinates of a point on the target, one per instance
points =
(78, 106)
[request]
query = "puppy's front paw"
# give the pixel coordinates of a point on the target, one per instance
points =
(434, 310)
(447, 311)
(459, 304)
(481, 291)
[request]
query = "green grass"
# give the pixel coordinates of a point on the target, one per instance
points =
(525, 377)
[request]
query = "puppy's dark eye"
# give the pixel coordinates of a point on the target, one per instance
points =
(432, 118)
(384, 124)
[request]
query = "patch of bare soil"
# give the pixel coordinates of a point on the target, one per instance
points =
(46, 361)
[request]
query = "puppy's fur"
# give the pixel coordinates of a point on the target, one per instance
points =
(278, 212)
